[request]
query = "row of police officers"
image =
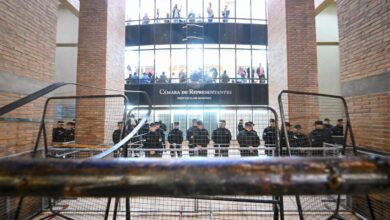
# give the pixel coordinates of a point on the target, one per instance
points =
(152, 138)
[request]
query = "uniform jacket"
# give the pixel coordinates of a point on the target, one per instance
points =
(153, 140)
(269, 135)
(320, 136)
(221, 136)
(58, 134)
(248, 138)
(201, 137)
(175, 136)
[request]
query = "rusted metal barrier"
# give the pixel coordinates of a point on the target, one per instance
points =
(190, 177)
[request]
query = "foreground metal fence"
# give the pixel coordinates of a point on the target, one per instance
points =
(134, 169)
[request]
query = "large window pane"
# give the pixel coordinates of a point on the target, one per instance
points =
(179, 11)
(163, 65)
(258, 10)
(244, 66)
(243, 11)
(195, 64)
(163, 11)
(131, 61)
(211, 10)
(178, 65)
(147, 11)
(228, 64)
(259, 61)
(211, 65)
(132, 11)
(147, 66)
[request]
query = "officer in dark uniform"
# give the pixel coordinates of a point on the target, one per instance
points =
(175, 139)
(248, 138)
(58, 132)
(290, 134)
(221, 137)
(201, 139)
(327, 124)
(338, 130)
(144, 129)
(162, 125)
(190, 136)
(161, 132)
(116, 135)
(153, 140)
(270, 136)
(299, 140)
(240, 126)
(69, 132)
(319, 136)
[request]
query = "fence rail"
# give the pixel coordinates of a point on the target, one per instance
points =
(185, 177)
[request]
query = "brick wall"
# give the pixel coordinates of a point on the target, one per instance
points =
(293, 56)
(365, 65)
(100, 64)
(27, 51)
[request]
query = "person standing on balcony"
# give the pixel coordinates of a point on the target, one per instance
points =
(260, 73)
(210, 13)
(225, 78)
(225, 14)
(176, 14)
(145, 19)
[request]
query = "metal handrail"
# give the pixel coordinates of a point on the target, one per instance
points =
(189, 177)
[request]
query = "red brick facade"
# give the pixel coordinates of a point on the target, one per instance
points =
(27, 50)
(293, 56)
(100, 64)
(364, 51)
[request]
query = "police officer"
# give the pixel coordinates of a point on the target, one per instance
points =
(221, 137)
(290, 134)
(162, 125)
(161, 132)
(240, 126)
(319, 136)
(327, 124)
(338, 130)
(58, 132)
(153, 141)
(69, 132)
(201, 139)
(116, 135)
(270, 136)
(190, 136)
(175, 139)
(299, 140)
(248, 138)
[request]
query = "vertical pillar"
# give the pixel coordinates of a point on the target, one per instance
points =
(100, 64)
(293, 55)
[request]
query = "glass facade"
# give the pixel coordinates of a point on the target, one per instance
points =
(195, 41)
(195, 11)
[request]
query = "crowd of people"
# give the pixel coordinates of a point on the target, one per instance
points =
(177, 15)
(244, 75)
(152, 137)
